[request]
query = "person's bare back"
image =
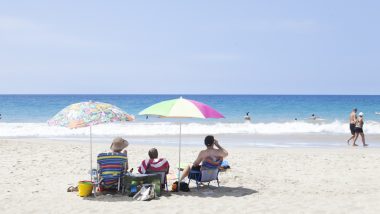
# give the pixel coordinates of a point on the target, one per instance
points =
(218, 152)
(211, 152)
(353, 117)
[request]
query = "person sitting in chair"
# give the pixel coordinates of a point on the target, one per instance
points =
(118, 145)
(154, 163)
(112, 165)
(210, 152)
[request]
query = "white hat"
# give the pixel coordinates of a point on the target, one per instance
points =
(361, 114)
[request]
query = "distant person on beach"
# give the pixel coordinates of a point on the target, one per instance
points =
(210, 151)
(154, 163)
(352, 119)
(247, 118)
(359, 129)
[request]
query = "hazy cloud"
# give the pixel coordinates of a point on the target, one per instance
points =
(16, 31)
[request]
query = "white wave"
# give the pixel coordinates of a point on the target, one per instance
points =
(168, 128)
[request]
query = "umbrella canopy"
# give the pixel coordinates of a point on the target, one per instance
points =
(88, 114)
(181, 108)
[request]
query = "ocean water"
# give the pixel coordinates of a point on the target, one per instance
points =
(26, 115)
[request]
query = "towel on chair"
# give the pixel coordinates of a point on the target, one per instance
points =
(158, 165)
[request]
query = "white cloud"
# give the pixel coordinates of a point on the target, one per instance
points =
(14, 24)
(16, 31)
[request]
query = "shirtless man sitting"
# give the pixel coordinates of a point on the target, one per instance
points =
(210, 151)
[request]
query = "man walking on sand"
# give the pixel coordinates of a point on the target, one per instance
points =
(353, 119)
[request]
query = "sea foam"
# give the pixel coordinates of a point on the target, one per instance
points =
(170, 128)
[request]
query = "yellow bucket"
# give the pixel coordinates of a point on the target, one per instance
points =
(85, 188)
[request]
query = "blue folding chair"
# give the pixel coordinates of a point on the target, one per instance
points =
(209, 172)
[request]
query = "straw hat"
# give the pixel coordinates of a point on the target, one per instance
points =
(118, 144)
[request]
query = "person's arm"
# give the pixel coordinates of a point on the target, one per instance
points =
(222, 152)
(126, 163)
(199, 159)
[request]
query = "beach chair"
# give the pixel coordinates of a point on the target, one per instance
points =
(209, 172)
(164, 181)
(111, 168)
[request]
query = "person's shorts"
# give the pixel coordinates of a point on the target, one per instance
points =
(352, 129)
(358, 130)
(196, 168)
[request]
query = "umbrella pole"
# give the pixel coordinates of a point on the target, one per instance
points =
(91, 151)
(179, 155)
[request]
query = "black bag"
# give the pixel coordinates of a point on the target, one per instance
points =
(184, 187)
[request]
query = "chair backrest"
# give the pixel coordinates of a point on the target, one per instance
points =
(111, 166)
(161, 173)
(210, 169)
(209, 175)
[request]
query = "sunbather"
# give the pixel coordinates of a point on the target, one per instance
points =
(209, 152)
(118, 145)
(112, 165)
(154, 163)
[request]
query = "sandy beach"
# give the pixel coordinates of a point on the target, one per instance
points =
(37, 172)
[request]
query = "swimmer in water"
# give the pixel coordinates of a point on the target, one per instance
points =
(313, 117)
(247, 117)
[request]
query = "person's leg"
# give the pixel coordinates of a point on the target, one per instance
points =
(186, 172)
(363, 139)
(356, 137)
(352, 137)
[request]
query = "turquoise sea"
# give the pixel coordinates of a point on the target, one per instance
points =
(26, 115)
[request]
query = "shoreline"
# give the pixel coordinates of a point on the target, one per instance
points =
(314, 140)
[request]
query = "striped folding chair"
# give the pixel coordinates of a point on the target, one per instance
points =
(209, 172)
(111, 168)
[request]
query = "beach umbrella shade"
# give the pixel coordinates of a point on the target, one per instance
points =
(181, 108)
(88, 114)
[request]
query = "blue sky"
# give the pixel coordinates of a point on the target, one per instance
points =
(187, 47)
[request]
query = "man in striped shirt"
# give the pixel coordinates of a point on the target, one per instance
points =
(154, 163)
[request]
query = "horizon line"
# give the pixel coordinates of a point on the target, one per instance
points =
(186, 94)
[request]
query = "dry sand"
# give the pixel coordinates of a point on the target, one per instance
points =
(36, 173)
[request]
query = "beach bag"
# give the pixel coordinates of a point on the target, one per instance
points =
(146, 193)
(184, 187)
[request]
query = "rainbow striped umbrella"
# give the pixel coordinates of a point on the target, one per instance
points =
(86, 114)
(181, 108)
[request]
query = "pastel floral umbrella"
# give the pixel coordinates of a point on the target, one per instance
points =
(181, 108)
(88, 114)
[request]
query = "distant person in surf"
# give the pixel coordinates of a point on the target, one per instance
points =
(247, 118)
(359, 129)
(313, 117)
(352, 120)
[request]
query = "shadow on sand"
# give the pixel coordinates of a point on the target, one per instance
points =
(204, 192)
(216, 192)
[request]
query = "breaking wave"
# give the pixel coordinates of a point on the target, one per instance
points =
(170, 128)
